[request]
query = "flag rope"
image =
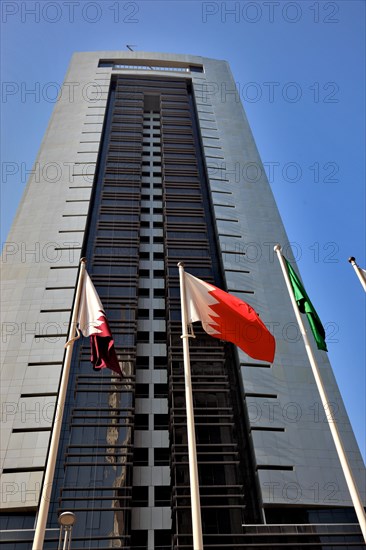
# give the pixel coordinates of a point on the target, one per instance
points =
(73, 339)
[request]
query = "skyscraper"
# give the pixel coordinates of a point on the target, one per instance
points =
(148, 160)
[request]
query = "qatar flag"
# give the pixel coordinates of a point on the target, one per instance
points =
(93, 322)
(226, 317)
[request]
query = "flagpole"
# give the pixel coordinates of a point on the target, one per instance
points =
(192, 452)
(41, 524)
(355, 496)
(352, 261)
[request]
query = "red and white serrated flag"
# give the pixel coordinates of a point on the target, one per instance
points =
(226, 317)
(93, 322)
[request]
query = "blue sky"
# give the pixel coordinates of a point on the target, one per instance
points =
(300, 70)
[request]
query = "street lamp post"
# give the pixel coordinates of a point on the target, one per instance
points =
(66, 521)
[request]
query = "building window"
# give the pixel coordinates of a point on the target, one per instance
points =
(142, 362)
(141, 421)
(161, 456)
(140, 497)
(143, 337)
(159, 314)
(143, 292)
(160, 362)
(143, 313)
(161, 421)
(139, 540)
(159, 292)
(140, 456)
(161, 390)
(162, 539)
(162, 496)
(142, 390)
(159, 337)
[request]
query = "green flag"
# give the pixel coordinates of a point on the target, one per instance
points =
(305, 306)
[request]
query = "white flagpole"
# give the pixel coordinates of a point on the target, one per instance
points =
(55, 437)
(192, 453)
(361, 278)
(355, 496)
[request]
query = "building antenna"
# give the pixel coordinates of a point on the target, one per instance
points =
(130, 46)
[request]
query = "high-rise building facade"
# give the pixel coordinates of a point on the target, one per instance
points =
(148, 160)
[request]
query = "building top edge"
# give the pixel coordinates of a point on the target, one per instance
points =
(144, 55)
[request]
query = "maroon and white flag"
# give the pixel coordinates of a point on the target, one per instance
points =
(93, 322)
(226, 317)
